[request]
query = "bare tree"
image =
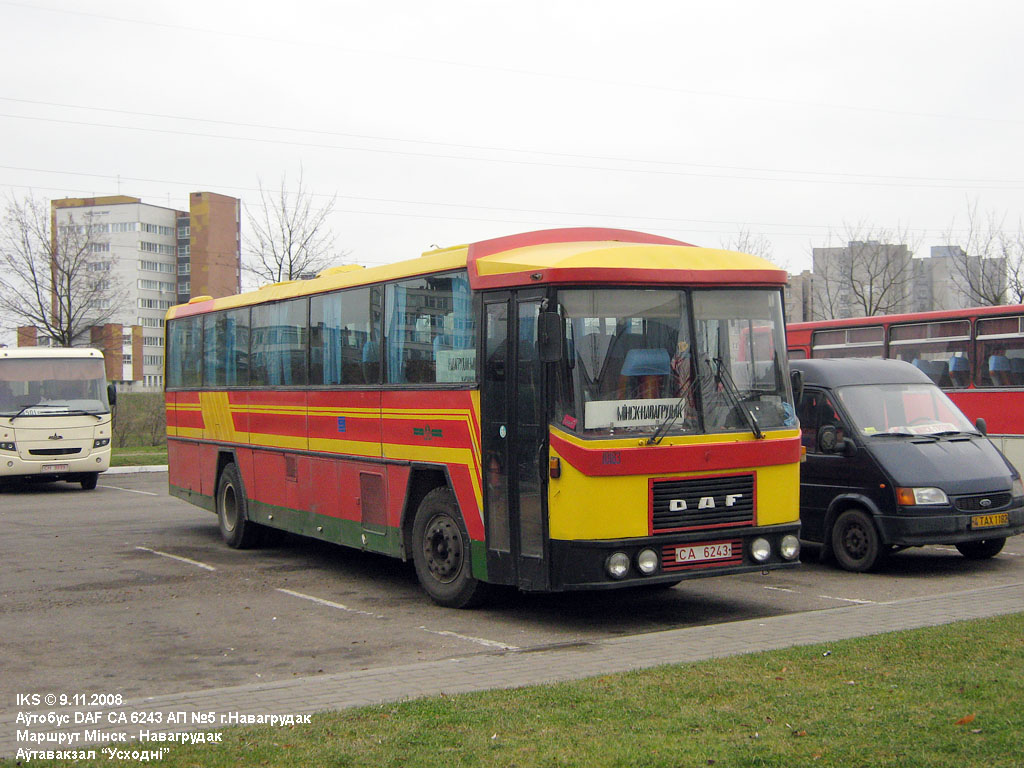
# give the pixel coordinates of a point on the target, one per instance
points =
(55, 278)
(1012, 248)
(986, 261)
(290, 238)
(756, 244)
(871, 275)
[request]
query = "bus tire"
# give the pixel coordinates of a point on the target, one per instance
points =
(981, 550)
(236, 529)
(441, 552)
(89, 481)
(855, 541)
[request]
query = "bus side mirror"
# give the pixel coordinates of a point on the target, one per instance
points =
(797, 379)
(549, 337)
(981, 426)
(111, 395)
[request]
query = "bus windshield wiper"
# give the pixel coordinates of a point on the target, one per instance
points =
(674, 413)
(723, 377)
(64, 411)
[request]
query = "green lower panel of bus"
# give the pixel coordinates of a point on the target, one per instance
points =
(348, 533)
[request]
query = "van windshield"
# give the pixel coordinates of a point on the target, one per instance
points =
(910, 409)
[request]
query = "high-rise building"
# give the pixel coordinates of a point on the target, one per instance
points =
(157, 257)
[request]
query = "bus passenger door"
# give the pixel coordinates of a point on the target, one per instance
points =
(513, 429)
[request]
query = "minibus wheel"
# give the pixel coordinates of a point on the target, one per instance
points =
(855, 541)
(89, 481)
(981, 550)
(441, 552)
(233, 511)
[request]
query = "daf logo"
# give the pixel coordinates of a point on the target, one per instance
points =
(706, 502)
(985, 503)
(55, 436)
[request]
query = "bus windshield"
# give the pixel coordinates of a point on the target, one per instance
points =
(52, 386)
(672, 360)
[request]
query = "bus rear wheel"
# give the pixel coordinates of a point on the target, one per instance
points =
(232, 511)
(981, 550)
(855, 541)
(441, 553)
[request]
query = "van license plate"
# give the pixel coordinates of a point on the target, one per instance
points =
(990, 521)
(704, 552)
(55, 467)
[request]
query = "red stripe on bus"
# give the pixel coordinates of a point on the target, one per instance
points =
(677, 459)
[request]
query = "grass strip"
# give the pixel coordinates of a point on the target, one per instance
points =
(935, 697)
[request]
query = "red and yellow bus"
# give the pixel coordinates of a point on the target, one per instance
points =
(558, 410)
(975, 355)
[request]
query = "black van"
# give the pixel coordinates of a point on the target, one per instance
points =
(892, 463)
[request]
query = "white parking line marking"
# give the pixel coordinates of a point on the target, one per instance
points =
(479, 640)
(329, 604)
(129, 490)
(781, 589)
(849, 600)
(196, 563)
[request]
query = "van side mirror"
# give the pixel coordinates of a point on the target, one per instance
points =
(797, 380)
(829, 442)
(549, 336)
(111, 395)
(981, 426)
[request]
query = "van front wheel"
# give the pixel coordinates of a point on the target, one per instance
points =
(855, 541)
(981, 550)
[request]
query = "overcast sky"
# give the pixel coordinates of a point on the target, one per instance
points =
(446, 122)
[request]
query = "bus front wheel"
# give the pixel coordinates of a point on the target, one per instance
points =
(855, 541)
(232, 511)
(981, 550)
(441, 553)
(89, 481)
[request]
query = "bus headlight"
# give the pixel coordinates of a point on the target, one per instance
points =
(790, 547)
(647, 561)
(8, 447)
(100, 442)
(909, 497)
(760, 550)
(617, 565)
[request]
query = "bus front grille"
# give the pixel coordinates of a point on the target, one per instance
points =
(54, 451)
(702, 503)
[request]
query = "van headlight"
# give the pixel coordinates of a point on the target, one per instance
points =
(1018, 488)
(910, 497)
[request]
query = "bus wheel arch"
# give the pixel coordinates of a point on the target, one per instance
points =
(232, 507)
(441, 552)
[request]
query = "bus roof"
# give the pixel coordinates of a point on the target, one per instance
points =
(912, 317)
(51, 352)
(552, 256)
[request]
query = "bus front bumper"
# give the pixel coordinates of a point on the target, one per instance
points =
(586, 564)
(13, 466)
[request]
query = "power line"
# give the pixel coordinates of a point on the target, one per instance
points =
(604, 82)
(966, 184)
(489, 148)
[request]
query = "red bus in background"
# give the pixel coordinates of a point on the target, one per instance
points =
(975, 355)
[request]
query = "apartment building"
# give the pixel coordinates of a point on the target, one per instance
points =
(159, 257)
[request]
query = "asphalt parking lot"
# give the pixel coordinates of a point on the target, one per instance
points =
(126, 590)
